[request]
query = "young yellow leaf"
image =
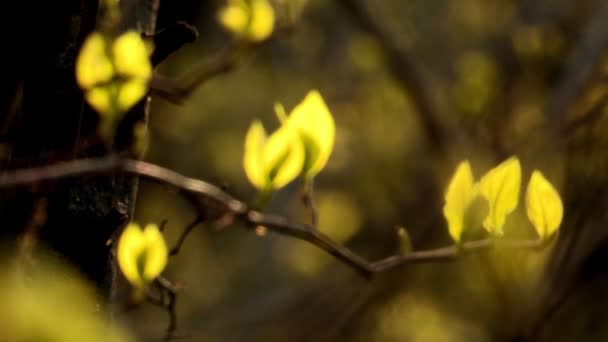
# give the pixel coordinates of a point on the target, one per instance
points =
(131, 56)
(253, 160)
(315, 125)
(129, 93)
(283, 157)
(458, 196)
(93, 66)
(500, 187)
(100, 99)
(142, 255)
(544, 205)
(271, 163)
(113, 79)
(253, 20)
(155, 258)
(262, 20)
(234, 16)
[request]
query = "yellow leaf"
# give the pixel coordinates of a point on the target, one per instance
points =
(234, 16)
(142, 255)
(315, 125)
(262, 20)
(131, 56)
(93, 65)
(253, 160)
(156, 252)
(458, 196)
(100, 99)
(272, 163)
(253, 20)
(283, 157)
(129, 93)
(500, 187)
(544, 205)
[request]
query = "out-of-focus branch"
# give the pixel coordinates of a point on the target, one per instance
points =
(403, 69)
(167, 300)
(579, 70)
(177, 90)
(238, 211)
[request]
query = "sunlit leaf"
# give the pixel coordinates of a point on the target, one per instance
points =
(156, 253)
(234, 16)
(458, 196)
(129, 93)
(93, 65)
(283, 157)
(262, 20)
(253, 20)
(131, 56)
(100, 99)
(315, 125)
(271, 163)
(500, 187)
(113, 79)
(142, 255)
(253, 160)
(544, 205)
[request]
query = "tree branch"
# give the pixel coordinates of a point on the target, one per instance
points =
(177, 90)
(240, 211)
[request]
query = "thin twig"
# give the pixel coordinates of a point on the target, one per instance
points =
(180, 241)
(190, 187)
(308, 199)
(167, 300)
(177, 90)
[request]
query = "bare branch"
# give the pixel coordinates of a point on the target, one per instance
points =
(177, 90)
(180, 241)
(241, 212)
(308, 199)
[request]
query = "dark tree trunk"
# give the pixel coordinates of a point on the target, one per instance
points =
(44, 119)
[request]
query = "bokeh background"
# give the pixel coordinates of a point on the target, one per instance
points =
(503, 77)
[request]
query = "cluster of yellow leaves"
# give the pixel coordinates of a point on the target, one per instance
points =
(142, 254)
(300, 146)
(113, 72)
(248, 19)
(500, 188)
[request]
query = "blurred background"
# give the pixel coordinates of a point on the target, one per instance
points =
(415, 87)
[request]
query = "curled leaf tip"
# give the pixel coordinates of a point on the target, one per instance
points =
(273, 162)
(315, 125)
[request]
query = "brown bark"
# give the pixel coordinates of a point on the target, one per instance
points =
(44, 119)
